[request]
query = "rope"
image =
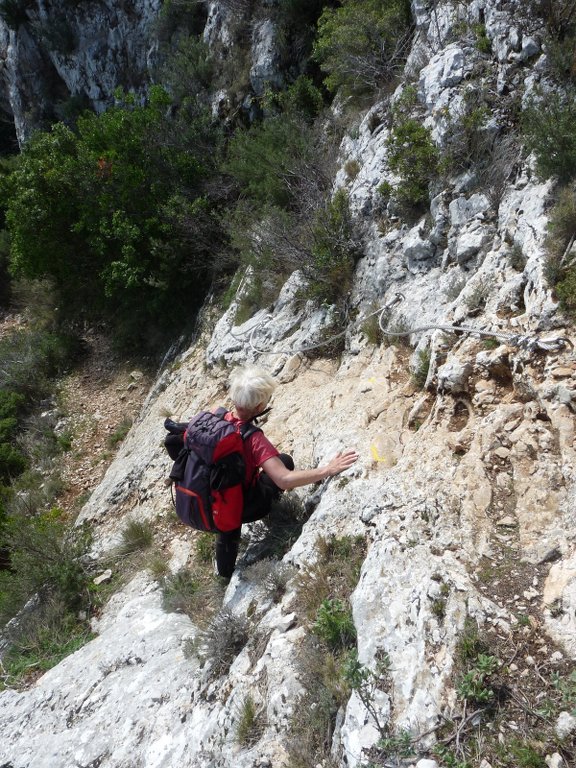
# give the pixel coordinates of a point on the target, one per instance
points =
(529, 342)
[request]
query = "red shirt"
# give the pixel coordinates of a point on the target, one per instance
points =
(257, 449)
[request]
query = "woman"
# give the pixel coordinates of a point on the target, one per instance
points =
(268, 472)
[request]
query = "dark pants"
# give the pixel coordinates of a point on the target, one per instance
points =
(257, 504)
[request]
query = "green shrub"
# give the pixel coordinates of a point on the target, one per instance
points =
(334, 574)
(204, 547)
(566, 291)
(335, 251)
(45, 636)
(414, 157)
(362, 44)
(119, 433)
(524, 755)
(223, 639)
(475, 685)
(12, 462)
(45, 560)
(302, 11)
(560, 266)
(420, 373)
(547, 124)
(115, 215)
(313, 721)
(137, 535)
(179, 592)
(468, 142)
(366, 681)
(265, 158)
(483, 42)
(29, 359)
(189, 69)
(302, 98)
(58, 35)
(249, 727)
(561, 55)
(470, 643)
(334, 624)
(197, 593)
(179, 17)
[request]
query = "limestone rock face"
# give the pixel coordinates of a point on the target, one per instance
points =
(81, 51)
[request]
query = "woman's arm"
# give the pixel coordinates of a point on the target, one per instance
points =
(286, 479)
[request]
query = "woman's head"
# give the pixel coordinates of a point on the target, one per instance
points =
(251, 387)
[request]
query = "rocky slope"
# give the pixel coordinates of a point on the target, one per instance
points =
(464, 492)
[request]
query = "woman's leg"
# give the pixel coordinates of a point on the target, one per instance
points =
(257, 503)
(227, 544)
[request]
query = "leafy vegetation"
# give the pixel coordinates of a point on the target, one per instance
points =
(323, 591)
(560, 268)
(287, 219)
(46, 564)
(362, 44)
(414, 157)
(547, 125)
(115, 215)
(30, 359)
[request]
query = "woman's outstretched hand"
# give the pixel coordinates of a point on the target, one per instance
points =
(341, 461)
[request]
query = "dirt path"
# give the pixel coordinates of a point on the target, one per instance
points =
(99, 402)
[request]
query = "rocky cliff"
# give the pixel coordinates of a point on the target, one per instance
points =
(57, 58)
(464, 495)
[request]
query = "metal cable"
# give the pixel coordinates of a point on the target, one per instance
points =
(526, 341)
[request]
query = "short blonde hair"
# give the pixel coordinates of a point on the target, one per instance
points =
(250, 386)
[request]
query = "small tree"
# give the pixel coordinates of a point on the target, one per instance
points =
(548, 127)
(414, 157)
(115, 214)
(362, 44)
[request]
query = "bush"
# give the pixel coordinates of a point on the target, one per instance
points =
(29, 359)
(335, 251)
(12, 461)
(314, 717)
(334, 624)
(115, 215)
(547, 125)
(414, 157)
(420, 373)
(188, 70)
(193, 592)
(223, 639)
(362, 44)
(302, 99)
(335, 573)
(137, 535)
(45, 560)
(467, 138)
(267, 158)
(45, 636)
(560, 267)
(249, 727)
(559, 15)
(180, 16)
(179, 591)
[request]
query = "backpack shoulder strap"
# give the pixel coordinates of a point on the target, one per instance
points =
(220, 411)
(248, 429)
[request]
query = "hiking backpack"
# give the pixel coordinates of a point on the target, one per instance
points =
(209, 470)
